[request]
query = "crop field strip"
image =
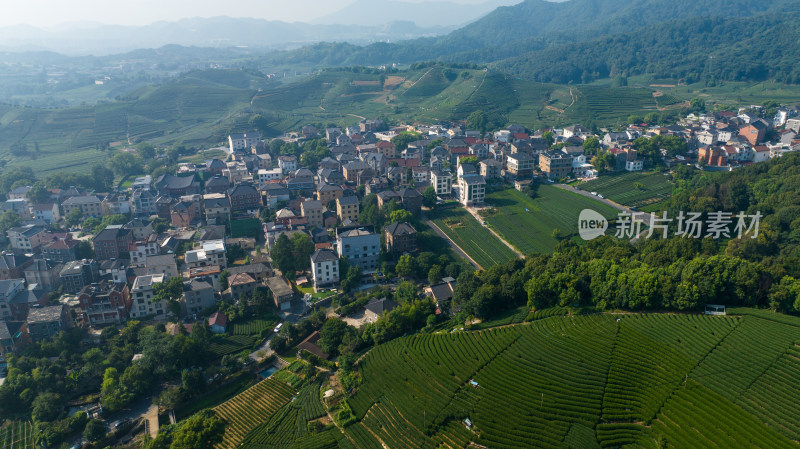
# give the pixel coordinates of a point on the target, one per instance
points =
(229, 344)
(620, 188)
(246, 411)
(531, 230)
(252, 327)
(288, 427)
(480, 244)
(17, 435)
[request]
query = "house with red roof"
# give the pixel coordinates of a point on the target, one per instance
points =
(218, 323)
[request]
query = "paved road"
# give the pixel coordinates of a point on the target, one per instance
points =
(453, 245)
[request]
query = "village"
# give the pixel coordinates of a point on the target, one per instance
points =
(265, 229)
(204, 210)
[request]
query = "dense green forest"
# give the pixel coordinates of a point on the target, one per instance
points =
(696, 49)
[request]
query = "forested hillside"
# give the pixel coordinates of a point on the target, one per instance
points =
(582, 40)
(701, 48)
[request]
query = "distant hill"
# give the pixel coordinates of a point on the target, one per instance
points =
(434, 14)
(217, 32)
(537, 25)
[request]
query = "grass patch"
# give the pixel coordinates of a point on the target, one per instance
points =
(528, 224)
(483, 247)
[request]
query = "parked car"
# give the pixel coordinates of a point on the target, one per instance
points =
(278, 327)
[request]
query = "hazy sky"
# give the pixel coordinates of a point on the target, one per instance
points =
(46, 13)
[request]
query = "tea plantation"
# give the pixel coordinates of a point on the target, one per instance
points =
(590, 381)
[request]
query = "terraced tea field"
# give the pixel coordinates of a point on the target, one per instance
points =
(655, 187)
(580, 381)
(681, 381)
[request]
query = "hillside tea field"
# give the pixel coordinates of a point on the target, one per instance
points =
(591, 381)
(636, 189)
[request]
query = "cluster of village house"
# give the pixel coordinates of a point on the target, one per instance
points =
(212, 206)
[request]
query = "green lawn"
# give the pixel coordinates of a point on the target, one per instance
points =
(315, 296)
(619, 187)
(483, 247)
(531, 230)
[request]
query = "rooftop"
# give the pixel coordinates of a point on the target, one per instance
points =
(45, 314)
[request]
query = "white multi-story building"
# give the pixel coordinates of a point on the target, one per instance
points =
(634, 165)
(324, 267)
(212, 253)
(142, 297)
(242, 141)
(442, 182)
(287, 164)
(269, 175)
(472, 190)
(142, 249)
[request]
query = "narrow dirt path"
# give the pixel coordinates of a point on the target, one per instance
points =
(480, 219)
(453, 244)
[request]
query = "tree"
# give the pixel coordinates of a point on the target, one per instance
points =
(429, 197)
(146, 151)
(302, 248)
(282, 254)
(84, 250)
(46, 407)
(169, 290)
(402, 140)
(73, 217)
(94, 431)
(635, 119)
(400, 216)
(405, 266)
(38, 193)
(696, 105)
(478, 120)
(406, 292)
(435, 274)
(192, 381)
(549, 138)
(332, 334)
(8, 220)
(591, 145)
(204, 430)
(125, 164)
(223, 279)
(103, 177)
